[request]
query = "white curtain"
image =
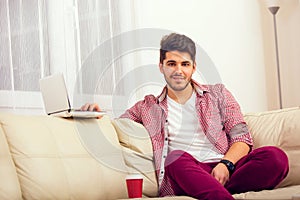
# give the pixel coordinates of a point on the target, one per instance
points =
(24, 56)
(98, 24)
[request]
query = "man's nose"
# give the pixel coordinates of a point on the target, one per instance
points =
(178, 67)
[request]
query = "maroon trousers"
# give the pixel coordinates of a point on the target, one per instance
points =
(263, 168)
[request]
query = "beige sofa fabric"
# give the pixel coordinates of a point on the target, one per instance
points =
(285, 193)
(52, 162)
(133, 135)
(9, 184)
(280, 128)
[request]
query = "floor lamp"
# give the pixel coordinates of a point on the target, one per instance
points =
(274, 10)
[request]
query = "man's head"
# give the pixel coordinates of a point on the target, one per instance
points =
(177, 42)
(177, 62)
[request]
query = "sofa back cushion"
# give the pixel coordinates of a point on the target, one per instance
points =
(60, 158)
(279, 128)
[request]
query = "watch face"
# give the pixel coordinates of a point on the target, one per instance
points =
(229, 165)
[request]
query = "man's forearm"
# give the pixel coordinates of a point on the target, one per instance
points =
(237, 151)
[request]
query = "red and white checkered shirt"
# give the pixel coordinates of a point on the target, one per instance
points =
(218, 114)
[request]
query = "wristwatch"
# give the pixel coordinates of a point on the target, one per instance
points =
(230, 166)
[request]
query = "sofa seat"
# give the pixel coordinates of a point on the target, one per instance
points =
(284, 193)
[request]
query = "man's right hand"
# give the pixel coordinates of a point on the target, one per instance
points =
(90, 107)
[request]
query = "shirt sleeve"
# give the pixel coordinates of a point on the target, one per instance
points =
(240, 133)
(134, 113)
(139, 112)
(233, 119)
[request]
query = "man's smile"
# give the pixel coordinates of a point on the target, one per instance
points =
(178, 77)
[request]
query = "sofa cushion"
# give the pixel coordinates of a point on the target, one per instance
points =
(279, 128)
(60, 158)
(137, 152)
(9, 184)
(133, 136)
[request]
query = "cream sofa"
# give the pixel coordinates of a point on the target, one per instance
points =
(44, 157)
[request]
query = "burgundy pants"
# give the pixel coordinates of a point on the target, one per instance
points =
(263, 168)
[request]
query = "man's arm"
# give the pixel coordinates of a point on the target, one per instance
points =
(237, 151)
(240, 140)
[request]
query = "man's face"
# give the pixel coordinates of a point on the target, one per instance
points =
(177, 69)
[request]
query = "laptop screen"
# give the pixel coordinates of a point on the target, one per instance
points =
(54, 93)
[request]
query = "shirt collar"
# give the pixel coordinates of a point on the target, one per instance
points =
(200, 89)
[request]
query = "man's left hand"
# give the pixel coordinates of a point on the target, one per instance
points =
(221, 173)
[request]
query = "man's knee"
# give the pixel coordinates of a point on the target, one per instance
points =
(275, 156)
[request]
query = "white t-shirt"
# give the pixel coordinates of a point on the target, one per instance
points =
(185, 132)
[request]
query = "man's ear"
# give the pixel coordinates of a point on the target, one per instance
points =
(194, 66)
(160, 67)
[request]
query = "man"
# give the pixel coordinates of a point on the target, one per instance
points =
(201, 143)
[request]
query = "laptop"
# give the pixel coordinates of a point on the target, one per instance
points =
(56, 100)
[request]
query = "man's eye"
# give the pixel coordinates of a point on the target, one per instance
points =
(185, 64)
(171, 64)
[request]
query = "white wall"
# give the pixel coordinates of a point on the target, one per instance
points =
(230, 33)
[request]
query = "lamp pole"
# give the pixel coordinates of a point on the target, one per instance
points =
(274, 10)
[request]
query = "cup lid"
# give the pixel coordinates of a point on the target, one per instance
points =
(134, 176)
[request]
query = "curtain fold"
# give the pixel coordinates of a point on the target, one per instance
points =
(98, 25)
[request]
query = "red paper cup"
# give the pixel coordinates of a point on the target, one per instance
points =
(134, 184)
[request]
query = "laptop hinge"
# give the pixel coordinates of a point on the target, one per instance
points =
(68, 110)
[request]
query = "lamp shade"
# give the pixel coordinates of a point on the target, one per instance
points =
(272, 3)
(274, 9)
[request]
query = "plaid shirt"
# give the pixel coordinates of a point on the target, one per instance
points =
(219, 116)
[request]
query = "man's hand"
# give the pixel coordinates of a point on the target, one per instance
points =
(221, 173)
(90, 107)
(234, 154)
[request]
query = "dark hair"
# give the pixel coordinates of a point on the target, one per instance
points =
(177, 42)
